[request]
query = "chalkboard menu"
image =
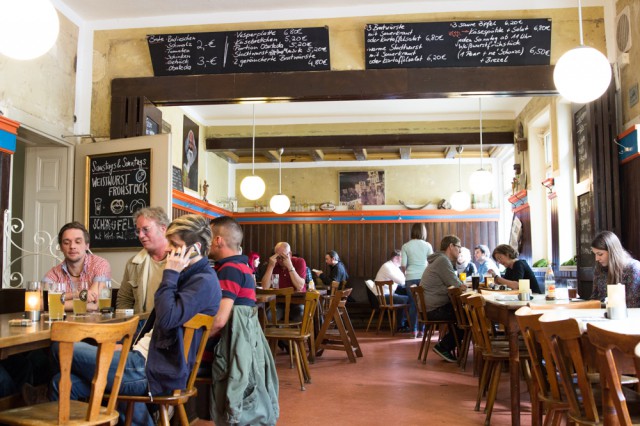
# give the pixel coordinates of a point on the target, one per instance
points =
(290, 49)
(458, 44)
(176, 179)
(585, 229)
(582, 137)
(118, 185)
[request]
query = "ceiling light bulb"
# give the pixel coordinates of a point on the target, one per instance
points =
(582, 74)
(252, 187)
(460, 201)
(280, 204)
(481, 182)
(28, 28)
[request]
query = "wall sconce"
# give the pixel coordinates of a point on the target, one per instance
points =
(32, 301)
(548, 183)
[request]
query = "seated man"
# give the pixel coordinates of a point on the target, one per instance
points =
(243, 373)
(390, 271)
(484, 262)
(79, 265)
(155, 364)
(290, 272)
(337, 271)
(436, 280)
(143, 272)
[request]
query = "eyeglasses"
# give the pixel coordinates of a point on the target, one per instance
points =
(458, 245)
(144, 230)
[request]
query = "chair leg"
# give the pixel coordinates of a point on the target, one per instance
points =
(424, 342)
(373, 312)
(164, 416)
(389, 317)
(351, 333)
(394, 321)
(129, 417)
(305, 362)
(493, 391)
(184, 419)
(298, 364)
(482, 383)
(380, 318)
(428, 335)
(466, 341)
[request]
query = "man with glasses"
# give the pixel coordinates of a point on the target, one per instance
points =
(143, 272)
(436, 279)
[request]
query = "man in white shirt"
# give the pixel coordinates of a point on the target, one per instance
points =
(390, 271)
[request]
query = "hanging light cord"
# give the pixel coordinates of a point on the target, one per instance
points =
(253, 143)
(580, 21)
(459, 149)
(280, 172)
(480, 103)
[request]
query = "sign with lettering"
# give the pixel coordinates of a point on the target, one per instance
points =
(585, 230)
(582, 139)
(118, 185)
(176, 179)
(501, 42)
(289, 49)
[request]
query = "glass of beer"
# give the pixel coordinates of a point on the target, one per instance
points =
(80, 292)
(104, 295)
(55, 300)
(463, 276)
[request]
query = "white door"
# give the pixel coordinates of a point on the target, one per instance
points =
(45, 206)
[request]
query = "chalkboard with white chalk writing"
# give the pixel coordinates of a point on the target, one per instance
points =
(582, 138)
(118, 185)
(500, 42)
(290, 49)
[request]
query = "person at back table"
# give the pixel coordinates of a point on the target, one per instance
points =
(156, 363)
(79, 265)
(390, 271)
(435, 282)
(414, 259)
(245, 382)
(464, 264)
(143, 272)
(291, 272)
(484, 262)
(614, 265)
(516, 269)
(337, 271)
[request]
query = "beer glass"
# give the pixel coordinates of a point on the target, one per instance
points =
(55, 296)
(80, 292)
(104, 295)
(275, 281)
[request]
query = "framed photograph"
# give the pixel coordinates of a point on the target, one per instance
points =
(359, 189)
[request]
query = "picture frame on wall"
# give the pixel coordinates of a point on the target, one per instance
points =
(362, 188)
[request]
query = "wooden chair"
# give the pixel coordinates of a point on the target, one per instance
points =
(66, 411)
(337, 332)
(388, 308)
(298, 336)
(429, 325)
(463, 324)
(606, 342)
(335, 286)
(494, 355)
(543, 370)
(282, 295)
(587, 304)
(179, 396)
(564, 338)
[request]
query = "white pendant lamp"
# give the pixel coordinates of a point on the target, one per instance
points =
(28, 28)
(460, 200)
(280, 203)
(252, 187)
(582, 74)
(481, 181)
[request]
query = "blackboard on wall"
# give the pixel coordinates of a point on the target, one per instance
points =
(504, 42)
(582, 137)
(585, 230)
(176, 178)
(118, 185)
(288, 49)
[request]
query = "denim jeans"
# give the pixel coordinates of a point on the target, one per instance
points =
(398, 299)
(134, 379)
(444, 313)
(413, 313)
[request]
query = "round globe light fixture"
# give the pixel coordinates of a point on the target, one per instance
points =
(252, 187)
(460, 201)
(280, 203)
(481, 182)
(582, 74)
(28, 28)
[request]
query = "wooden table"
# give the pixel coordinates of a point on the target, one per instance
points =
(503, 312)
(15, 340)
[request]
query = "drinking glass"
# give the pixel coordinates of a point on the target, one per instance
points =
(80, 292)
(572, 285)
(275, 281)
(104, 295)
(463, 276)
(55, 298)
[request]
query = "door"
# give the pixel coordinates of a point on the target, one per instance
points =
(46, 209)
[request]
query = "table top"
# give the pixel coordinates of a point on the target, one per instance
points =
(596, 317)
(506, 300)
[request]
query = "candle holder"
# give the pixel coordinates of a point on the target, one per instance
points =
(33, 301)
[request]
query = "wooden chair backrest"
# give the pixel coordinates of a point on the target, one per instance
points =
(106, 336)
(564, 338)
(198, 322)
(587, 304)
(456, 302)
(417, 292)
(282, 295)
(338, 300)
(310, 305)
(605, 342)
(480, 324)
(380, 286)
(539, 352)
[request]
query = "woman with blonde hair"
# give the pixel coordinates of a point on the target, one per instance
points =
(614, 265)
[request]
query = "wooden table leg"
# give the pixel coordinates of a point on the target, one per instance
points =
(514, 376)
